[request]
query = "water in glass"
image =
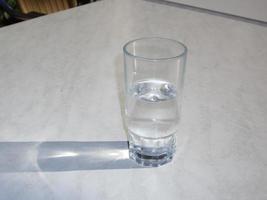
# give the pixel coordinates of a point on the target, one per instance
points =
(152, 114)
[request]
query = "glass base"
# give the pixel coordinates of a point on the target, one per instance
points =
(151, 152)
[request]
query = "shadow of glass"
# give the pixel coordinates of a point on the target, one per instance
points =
(64, 156)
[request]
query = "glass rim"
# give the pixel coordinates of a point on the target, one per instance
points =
(184, 51)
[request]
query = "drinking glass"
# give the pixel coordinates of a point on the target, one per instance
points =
(154, 73)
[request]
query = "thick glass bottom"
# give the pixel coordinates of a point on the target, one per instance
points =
(151, 152)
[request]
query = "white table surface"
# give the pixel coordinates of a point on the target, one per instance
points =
(254, 9)
(60, 81)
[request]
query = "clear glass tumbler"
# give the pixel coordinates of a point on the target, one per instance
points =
(154, 73)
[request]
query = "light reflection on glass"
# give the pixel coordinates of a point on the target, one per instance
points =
(120, 154)
(65, 154)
